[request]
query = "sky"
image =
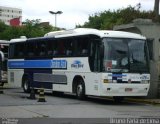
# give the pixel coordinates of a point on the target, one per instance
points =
(74, 11)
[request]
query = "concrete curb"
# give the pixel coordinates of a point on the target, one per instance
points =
(144, 101)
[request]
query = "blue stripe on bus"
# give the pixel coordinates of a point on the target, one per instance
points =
(55, 64)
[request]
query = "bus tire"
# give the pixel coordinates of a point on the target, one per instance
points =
(118, 99)
(26, 85)
(80, 90)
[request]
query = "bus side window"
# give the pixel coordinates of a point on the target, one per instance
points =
(30, 48)
(54, 48)
(20, 54)
(69, 47)
(49, 46)
(84, 52)
(41, 49)
(11, 51)
(83, 46)
(61, 48)
(19, 50)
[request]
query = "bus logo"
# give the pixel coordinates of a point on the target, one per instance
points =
(77, 64)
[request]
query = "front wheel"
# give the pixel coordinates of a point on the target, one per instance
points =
(26, 85)
(80, 90)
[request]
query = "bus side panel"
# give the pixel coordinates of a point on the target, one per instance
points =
(37, 84)
(15, 77)
(66, 86)
(92, 83)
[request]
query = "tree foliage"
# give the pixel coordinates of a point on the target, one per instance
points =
(30, 28)
(108, 19)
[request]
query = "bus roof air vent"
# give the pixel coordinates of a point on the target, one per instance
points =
(71, 32)
(57, 33)
(23, 37)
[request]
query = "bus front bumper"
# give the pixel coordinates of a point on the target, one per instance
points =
(112, 89)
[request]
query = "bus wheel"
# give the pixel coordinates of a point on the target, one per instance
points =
(118, 99)
(26, 85)
(80, 90)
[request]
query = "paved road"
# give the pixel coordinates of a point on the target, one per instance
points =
(15, 104)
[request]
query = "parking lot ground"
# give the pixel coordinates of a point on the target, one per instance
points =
(14, 103)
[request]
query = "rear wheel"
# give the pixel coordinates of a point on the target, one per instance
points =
(26, 85)
(80, 90)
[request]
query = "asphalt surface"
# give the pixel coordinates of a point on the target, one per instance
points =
(16, 105)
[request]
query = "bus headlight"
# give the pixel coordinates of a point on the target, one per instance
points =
(105, 81)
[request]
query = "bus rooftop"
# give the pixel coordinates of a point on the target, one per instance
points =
(101, 33)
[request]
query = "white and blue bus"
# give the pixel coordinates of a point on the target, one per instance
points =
(82, 61)
(3, 61)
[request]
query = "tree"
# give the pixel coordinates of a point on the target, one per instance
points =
(108, 19)
(30, 28)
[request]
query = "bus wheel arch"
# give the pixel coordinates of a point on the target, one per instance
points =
(26, 83)
(78, 87)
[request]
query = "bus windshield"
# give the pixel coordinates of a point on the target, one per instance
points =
(125, 55)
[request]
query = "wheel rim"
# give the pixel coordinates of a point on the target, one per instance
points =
(26, 85)
(79, 90)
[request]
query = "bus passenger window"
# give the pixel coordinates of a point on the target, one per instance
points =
(84, 52)
(61, 48)
(30, 54)
(54, 48)
(42, 49)
(49, 52)
(68, 52)
(31, 48)
(55, 52)
(83, 49)
(20, 54)
(69, 47)
(49, 48)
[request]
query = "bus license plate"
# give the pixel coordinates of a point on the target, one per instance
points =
(128, 89)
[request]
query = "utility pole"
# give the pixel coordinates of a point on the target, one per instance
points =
(55, 13)
(156, 10)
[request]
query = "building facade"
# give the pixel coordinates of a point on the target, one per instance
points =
(151, 30)
(11, 16)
